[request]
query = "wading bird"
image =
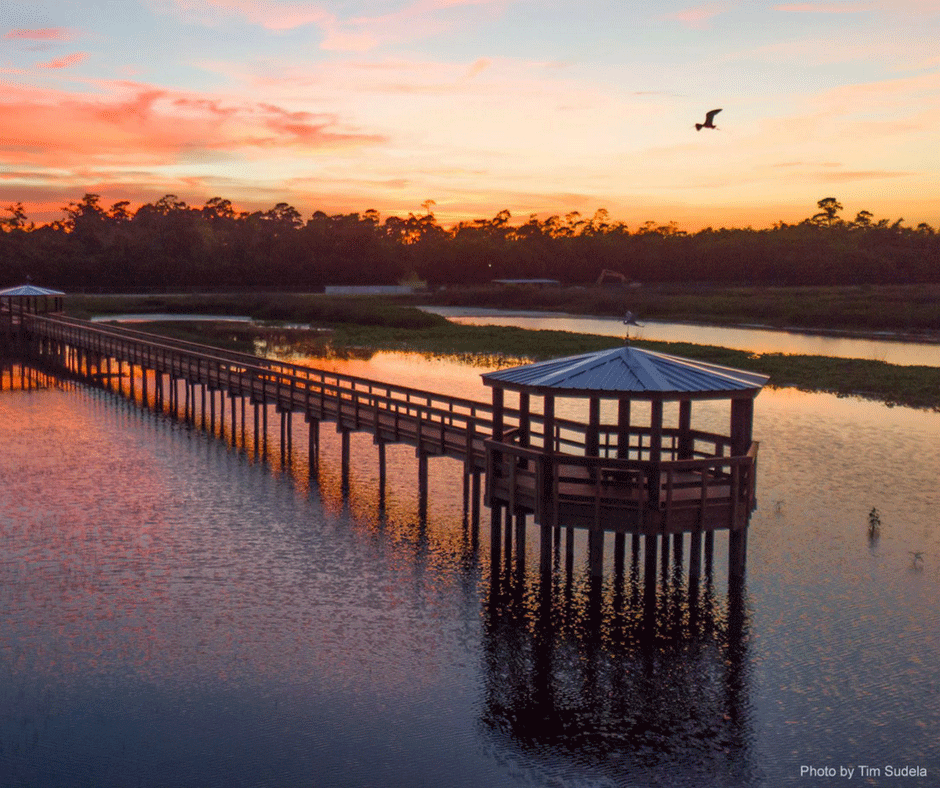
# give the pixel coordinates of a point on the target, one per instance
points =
(629, 319)
(708, 124)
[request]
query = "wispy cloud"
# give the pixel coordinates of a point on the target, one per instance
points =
(406, 22)
(699, 16)
(824, 8)
(42, 34)
(65, 62)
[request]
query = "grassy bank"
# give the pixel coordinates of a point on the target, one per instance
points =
(389, 326)
(908, 309)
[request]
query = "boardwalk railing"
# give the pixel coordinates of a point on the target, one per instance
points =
(694, 483)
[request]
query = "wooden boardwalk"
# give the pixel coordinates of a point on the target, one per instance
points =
(626, 494)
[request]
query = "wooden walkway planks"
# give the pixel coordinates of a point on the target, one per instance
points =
(707, 492)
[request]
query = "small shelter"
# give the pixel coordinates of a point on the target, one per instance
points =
(643, 476)
(28, 299)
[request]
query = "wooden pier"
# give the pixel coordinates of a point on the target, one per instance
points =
(647, 480)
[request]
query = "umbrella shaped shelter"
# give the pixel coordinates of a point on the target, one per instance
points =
(630, 472)
(28, 299)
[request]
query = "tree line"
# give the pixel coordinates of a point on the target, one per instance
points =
(171, 245)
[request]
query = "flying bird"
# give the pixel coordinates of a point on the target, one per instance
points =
(708, 124)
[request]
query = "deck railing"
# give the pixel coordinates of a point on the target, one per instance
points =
(706, 492)
(693, 474)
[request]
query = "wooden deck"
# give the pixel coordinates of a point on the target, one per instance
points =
(703, 491)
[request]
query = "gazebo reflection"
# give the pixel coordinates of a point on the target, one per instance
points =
(577, 666)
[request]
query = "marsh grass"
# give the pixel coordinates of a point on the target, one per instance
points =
(902, 308)
(380, 324)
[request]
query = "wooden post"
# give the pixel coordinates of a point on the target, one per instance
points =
(649, 575)
(695, 557)
(592, 438)
(520, 543)
(422, 487)
(620, 549)
(685, 430)
(525, 424)
(677, 552)
(623, 429)
(344, 441)
(596, 552)
(264, 428)
(495, 542)
(737, 552)
(382, 473)
(709, 552)
(313, 444)
(742, 423)
(475, 510)
(256, 406)
(656, 450)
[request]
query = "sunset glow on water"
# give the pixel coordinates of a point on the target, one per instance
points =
(176, 606)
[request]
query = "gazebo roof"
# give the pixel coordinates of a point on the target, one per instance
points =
(29, 290)
(628, 370)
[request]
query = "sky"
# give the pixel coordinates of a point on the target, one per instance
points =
(529, 106)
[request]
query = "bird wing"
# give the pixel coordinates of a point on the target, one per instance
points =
(710, 115)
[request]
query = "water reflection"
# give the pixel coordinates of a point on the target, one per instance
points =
(590, 676)
(755, 340)
(177, 605)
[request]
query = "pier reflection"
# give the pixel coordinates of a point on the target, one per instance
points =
(578, 664)
(643, 666)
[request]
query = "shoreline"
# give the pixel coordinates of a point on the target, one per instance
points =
(920, 338)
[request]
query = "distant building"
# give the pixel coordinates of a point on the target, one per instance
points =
(371, 289)
(527, 282)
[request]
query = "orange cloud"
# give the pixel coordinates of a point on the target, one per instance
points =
(42, 34)
(699, 16)
(144, 125)
(65, 62)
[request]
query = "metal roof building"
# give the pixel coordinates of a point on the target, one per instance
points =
(27, 290)
(637, 473)
(628, 372)
(624, 375)
(15, 302)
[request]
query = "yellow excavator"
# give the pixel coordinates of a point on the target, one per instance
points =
(607, 275)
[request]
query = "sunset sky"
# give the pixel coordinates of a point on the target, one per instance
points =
(480, 105)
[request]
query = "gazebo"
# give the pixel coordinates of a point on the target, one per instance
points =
(15, 302)
(647, 476)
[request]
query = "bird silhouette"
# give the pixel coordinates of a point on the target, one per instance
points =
(629, 319)
(708, 124)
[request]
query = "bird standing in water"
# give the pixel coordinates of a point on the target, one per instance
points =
(709, 118)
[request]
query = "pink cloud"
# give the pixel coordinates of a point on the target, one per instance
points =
(699, 16)
(42, 34)
(415, 19)
(65, 62)
(824, 8)
(142, 125)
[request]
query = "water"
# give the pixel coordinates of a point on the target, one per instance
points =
(176, 611)
(755, 340)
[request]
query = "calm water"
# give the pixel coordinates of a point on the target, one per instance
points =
(756, 340)
(176, 611)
